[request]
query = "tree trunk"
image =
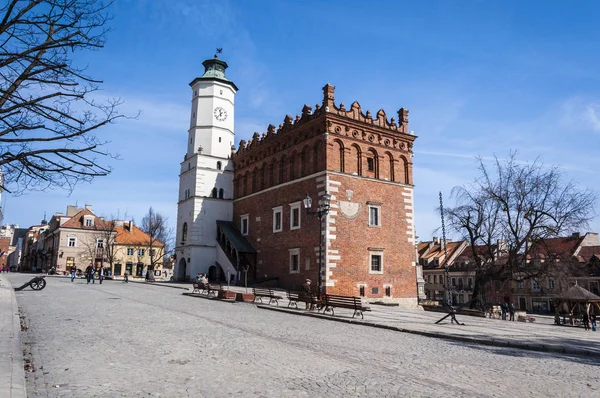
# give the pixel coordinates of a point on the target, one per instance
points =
(476, 302)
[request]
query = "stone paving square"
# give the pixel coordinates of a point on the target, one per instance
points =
(143, 340)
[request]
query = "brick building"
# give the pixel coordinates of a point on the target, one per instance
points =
(243, 210)
(364, 163)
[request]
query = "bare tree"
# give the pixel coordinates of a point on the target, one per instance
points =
(48, 112)
(156, 226)
(100, 243)
(509, 212)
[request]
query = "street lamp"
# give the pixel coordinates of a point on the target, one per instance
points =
(321, 212)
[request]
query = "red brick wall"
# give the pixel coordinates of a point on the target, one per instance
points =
(329, 149)
(274, 256)
(354, 237)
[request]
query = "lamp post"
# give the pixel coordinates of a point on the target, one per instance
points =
(321, 212)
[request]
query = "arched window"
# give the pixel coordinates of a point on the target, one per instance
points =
(282, 169)
(221, 191)
(184, 232)
(245, 187)
(218, 165)
(340, 149)
(214, 192)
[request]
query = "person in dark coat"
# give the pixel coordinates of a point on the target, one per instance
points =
(89, 274)
(586, 321)
(511, 310)
(305, 289)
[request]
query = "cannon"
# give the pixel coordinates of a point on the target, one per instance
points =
(37, 283)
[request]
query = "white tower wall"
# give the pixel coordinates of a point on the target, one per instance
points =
(206, 173)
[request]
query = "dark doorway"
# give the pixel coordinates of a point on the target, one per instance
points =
(522, 305)
(212, 273)
(117, 269)
(139, 269)
(181, 270)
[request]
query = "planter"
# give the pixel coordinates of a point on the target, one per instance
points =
(227, 294)
(245, 297)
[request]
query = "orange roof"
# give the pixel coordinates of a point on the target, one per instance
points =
(77, 221)
(563, 247)
(134, 237)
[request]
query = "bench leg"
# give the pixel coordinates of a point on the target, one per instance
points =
(327, 309)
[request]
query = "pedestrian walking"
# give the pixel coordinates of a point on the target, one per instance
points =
(511, 310)
(503, 309)
(101, 275)
(73, 273)
(593, 319)
(586, 321)
(125, 277)
(89, 271)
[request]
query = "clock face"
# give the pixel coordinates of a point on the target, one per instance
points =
(220, 114)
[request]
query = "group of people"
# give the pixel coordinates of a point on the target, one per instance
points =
(90, 274)
(507, 309)
(201, 278)
(4, 269)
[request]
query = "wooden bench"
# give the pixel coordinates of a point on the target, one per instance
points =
(197, 287)
(295, 297)
(211, 288)
(332, 301)
(259, 293)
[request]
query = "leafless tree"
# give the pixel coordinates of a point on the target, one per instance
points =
(100, 243)
(156, 226)
(49, 111)
(509, 211)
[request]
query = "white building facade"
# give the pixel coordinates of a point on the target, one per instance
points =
(206, 174)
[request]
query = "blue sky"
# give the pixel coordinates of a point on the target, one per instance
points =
(480, 78)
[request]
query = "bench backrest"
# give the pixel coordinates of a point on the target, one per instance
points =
(213, 287)
(262, 290)
(292, 295)
(333, 299)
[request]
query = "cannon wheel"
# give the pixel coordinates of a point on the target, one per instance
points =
(38, 284)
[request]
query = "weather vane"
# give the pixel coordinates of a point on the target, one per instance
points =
(219, 51)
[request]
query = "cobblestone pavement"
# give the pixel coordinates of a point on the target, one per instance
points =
(135, 340)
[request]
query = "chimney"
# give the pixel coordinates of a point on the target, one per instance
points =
(435, 240)
(131, 226)
(576, 235)
(88, 207)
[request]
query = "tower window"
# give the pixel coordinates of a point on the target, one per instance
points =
(184, 232)
(370, 164)
(218, 165)
(221, 192)
(221, 92)
(219, 139)
(214, 192)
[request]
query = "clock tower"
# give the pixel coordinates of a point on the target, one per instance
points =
(206, 174)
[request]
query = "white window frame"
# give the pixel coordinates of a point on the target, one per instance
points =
(294, 252)
(295, 206)
(130, 251)
(100, 243)
(378, 208)
(551, 283)
(72, 239)
(141, 252)
(370, 264)
(89, 222)
(278, 210)
(245, 217)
